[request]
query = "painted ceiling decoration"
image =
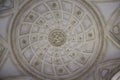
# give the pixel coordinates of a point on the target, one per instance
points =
(59, 40)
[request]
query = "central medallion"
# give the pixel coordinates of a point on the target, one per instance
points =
(57, 37)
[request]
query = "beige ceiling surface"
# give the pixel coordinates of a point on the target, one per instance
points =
(59, 39)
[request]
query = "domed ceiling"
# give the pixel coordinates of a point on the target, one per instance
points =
(59, 40)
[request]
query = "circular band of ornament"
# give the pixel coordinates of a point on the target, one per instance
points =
(56, 39)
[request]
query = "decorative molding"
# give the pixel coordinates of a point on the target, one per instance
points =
(113, 27)
(106, 70)
(59, 39)
(3, 50)
(19, 78)
(69, 56)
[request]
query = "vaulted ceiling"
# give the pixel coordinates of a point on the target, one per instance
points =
(60, 39)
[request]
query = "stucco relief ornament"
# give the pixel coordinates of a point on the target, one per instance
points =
(56, 39)
(3, 50)
(19, 78)
(114, 27)
(6, 7)
(107, 70)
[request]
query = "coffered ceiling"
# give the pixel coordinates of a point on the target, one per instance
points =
(59, 39)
